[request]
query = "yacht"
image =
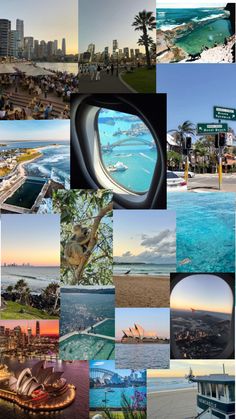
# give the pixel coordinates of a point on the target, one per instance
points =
(118, 167)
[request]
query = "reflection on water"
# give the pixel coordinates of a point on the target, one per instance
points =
(138, 356)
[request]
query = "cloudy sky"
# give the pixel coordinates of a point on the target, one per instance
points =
(138, 238)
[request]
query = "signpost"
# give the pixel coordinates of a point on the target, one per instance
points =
(211, 128)
(221, 112)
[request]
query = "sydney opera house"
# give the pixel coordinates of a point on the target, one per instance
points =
(39, 388)
(138, 334)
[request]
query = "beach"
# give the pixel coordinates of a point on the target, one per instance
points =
(142, 291)
(178, 404)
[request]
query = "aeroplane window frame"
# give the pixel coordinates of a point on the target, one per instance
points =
(228, 352)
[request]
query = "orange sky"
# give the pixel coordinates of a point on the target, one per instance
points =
(50, 327)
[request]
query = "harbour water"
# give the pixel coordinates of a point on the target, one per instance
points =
(70, 68)
(143, 269)
(113, 398)
(37, 277)
(138, 356)
(205, 225)
(155, 384)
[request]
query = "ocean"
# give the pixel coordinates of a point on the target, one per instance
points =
(209, 26)
(155, 384)
(70, 68)
(140, 158)
(114, 398)
(205, 226)
(143, 269)
(37, 277)
(139, 356)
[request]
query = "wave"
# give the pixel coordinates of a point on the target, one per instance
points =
(210, 17)
(123, 155)
(169, 27)
(54, 159)
(146, 157)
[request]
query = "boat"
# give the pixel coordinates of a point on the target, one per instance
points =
(216, 396)
(118, 167)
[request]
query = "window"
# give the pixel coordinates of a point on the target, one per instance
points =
(213, 390)
(231, 393)
(127, 149)
(221, 391)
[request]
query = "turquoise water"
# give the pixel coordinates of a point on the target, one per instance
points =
(136, 150)
(205, 231)
(114, 398)
(106, 328)
(84, 347)
(208, 35)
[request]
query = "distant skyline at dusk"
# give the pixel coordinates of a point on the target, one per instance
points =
(33, 130)
(112, 20)
(33, 239)
(202, 292)
(59, 20)
(199, 367)
(47, 327)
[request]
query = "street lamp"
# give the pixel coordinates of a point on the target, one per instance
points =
(117, 64)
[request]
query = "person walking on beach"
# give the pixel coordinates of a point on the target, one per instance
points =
(98, 72)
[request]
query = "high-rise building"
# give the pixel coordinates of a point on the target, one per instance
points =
(137, 52)
(28, 47)
(63, 46)
(5, 37)
(55, 47)
(126, 52)
(106, 54)
(20, 30)
(50, 49)
(15, 44)
(36, 48)
(42, 50)
(91, 49)
(114, 46)
(131, 53)
(37, 329)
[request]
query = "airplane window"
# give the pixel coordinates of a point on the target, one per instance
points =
(201, 315)
(128, 150)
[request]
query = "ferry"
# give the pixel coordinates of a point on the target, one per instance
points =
(216, 396)
(118, 167)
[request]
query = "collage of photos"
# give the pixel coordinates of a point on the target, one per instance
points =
(117, 209)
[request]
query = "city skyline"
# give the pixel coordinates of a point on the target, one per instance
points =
(33, 239)
(124, 34)
(47, 327)
(150, 319)
(138, 238)
(193, 292)
(200, 367)
(33, 130)
(57, 25)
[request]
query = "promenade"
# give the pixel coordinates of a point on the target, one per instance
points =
(107, 84)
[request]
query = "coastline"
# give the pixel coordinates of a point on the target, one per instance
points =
(172, 390)
(172, 404)
(142, 291)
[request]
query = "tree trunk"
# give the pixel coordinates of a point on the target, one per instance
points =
(145, 35)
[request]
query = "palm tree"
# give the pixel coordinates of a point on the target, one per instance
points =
(186, 128)
(22, 288)
(145, 21)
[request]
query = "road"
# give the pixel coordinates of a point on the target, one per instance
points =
(209, 182)
(107, 84)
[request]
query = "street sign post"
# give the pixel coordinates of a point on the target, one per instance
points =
(211, 128)
(220, 112)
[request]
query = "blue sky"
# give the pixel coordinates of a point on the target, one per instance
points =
(109, 365)
(110, 20)
(151, 319)
(194, 89)
(138, 238)
(189, 4)
(35, 130)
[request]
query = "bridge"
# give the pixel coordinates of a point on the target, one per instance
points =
(96, 373)
(127, 142)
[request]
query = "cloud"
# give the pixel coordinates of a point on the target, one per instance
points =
(127, 254)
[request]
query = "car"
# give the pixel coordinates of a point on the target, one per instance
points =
(181, 173)
(175, 183)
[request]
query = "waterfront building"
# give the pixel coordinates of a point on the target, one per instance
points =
(5, 37)
(114, 47)
(63, 48)
(15, 44)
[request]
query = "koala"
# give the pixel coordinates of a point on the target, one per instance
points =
(77, 245)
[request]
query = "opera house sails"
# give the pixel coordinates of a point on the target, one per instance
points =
(138, 334)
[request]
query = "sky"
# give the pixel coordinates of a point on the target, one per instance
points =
(30, 238)
(110, 365)
(189, 4)
(193, 292)
(47, 327)
(199, 367)
(110, 20)
(53, 130)
(151, 319)
(45, 20)
(193, 90)
(138, 238)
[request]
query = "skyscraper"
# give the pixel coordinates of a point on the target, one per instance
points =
(20, 30)
(91, 49)
(63, 47)
(126, 52)
(55, 46)
(114, 46)
(5, 37)
(37, 329)
(15, 44)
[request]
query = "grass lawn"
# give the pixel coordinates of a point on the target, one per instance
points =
(13, 312)
(142, 80)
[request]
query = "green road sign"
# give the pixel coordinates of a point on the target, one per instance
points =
(211, 128)
(224, 113)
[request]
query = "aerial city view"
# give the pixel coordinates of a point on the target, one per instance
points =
(87, 323)
(203, 34)
(116, 391)
(33, 162)
(202, 328)
(38, 64)
(121, 58)
(30, 273)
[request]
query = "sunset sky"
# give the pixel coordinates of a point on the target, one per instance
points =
(199, 367)
(202, 292)
(50, 130)
(45, 20)
(33, 239)
(47, 327)
(138, 238)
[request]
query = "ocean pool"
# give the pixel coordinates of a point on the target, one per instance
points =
(85, 347)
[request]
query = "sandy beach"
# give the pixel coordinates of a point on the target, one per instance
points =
(142, 291)
(177, 404)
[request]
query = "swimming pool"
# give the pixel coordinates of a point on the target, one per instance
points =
(27, 193)
(86, 347)
(106, 328)
(205, 226)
